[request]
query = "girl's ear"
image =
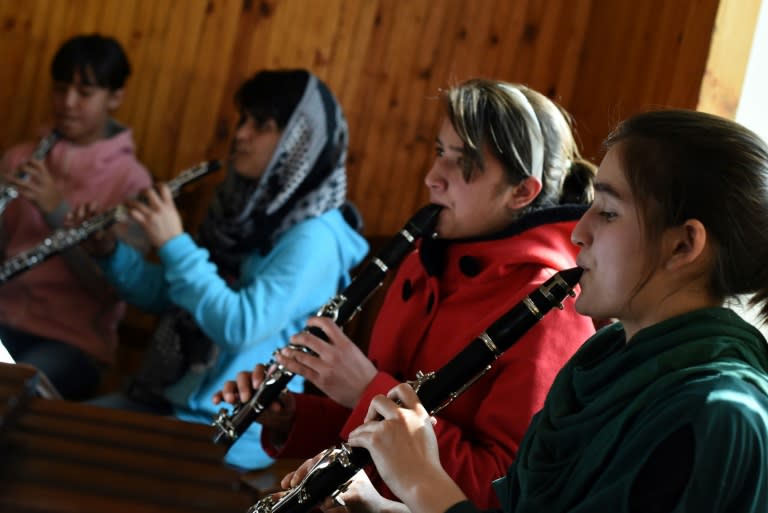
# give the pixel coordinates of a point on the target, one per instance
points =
(686, 243)
(115, 99)
(524, 193)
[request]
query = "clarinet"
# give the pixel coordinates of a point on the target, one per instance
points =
(331, 474)
(341, 308)
(65, 238)
(8, 192)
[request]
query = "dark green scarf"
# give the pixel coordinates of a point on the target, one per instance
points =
(596, 396)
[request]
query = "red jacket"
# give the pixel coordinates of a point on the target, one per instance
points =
(426, 320)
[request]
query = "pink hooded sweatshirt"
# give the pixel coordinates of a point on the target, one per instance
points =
(49, 300)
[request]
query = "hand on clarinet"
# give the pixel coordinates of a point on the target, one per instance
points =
(33, 181)
(101, 243)
(399, 434)
(277, 417)
(339, 368)
(157, 215)
(359, 497)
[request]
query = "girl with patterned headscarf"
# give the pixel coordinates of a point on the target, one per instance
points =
(274, 246)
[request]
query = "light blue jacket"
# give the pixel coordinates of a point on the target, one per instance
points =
(272, 300)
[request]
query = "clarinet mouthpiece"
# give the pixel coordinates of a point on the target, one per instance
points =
(571, 277)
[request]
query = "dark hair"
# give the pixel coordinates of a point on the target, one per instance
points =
(99, 60)
(684, 165)
(272, 94)
(527, 132)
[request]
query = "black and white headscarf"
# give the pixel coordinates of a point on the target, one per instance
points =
(305, 178)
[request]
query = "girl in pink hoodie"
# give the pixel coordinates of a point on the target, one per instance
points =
(61, 316)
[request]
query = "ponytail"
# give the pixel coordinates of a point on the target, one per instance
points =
(578, 183)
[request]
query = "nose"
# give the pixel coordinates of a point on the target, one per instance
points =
(580, 236)
(244, 129)
(70, 97)
(434, 179)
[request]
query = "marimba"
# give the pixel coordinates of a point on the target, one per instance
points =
(63, 457)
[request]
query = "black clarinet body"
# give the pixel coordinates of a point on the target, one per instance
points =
(8, 192)
(329, 476)
(341, 308)
(65, 238)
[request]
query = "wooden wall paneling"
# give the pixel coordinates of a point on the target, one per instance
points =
(295, 35)
(206, 84)
(91, 18)
(32, 78)
(350, 42)
(663, 56)
(507, 28)
(200, 116)
(345, 72)
(386, 61)
(316, 22)
(526, 35)
(374, 103)
(171, 96)
(15, 28)
(657, 52)
(398, 123)
(471, 57)
(557, 66)
(148, 42)
(260, 34)
(114, 19)
(284, 49)
(413, 155)
(137, 102)
(625, 51)
(691, 61)
(614, 45)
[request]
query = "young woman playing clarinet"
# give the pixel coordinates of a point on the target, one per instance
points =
(665, 411)
(509, 178)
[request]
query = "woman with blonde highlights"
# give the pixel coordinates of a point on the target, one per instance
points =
(512, 185)
(667, 409)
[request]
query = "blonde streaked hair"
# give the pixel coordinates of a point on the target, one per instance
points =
(526, 131)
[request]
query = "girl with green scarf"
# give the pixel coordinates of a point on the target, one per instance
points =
(665, 410)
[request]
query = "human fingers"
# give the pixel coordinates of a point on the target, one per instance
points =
(81, 212)
(165, 193)
(308, 365)
(381, 407)
(292, 479)
(404, 395)
(228, 393)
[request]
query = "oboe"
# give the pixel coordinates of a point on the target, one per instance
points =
(65, 238)
(8, 192)
(330, 475)
(340, 309)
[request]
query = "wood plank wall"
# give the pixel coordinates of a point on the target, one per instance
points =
(385, 59)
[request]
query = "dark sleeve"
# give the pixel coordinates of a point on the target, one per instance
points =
(468, 507)
(662, 479)
(716, 463)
